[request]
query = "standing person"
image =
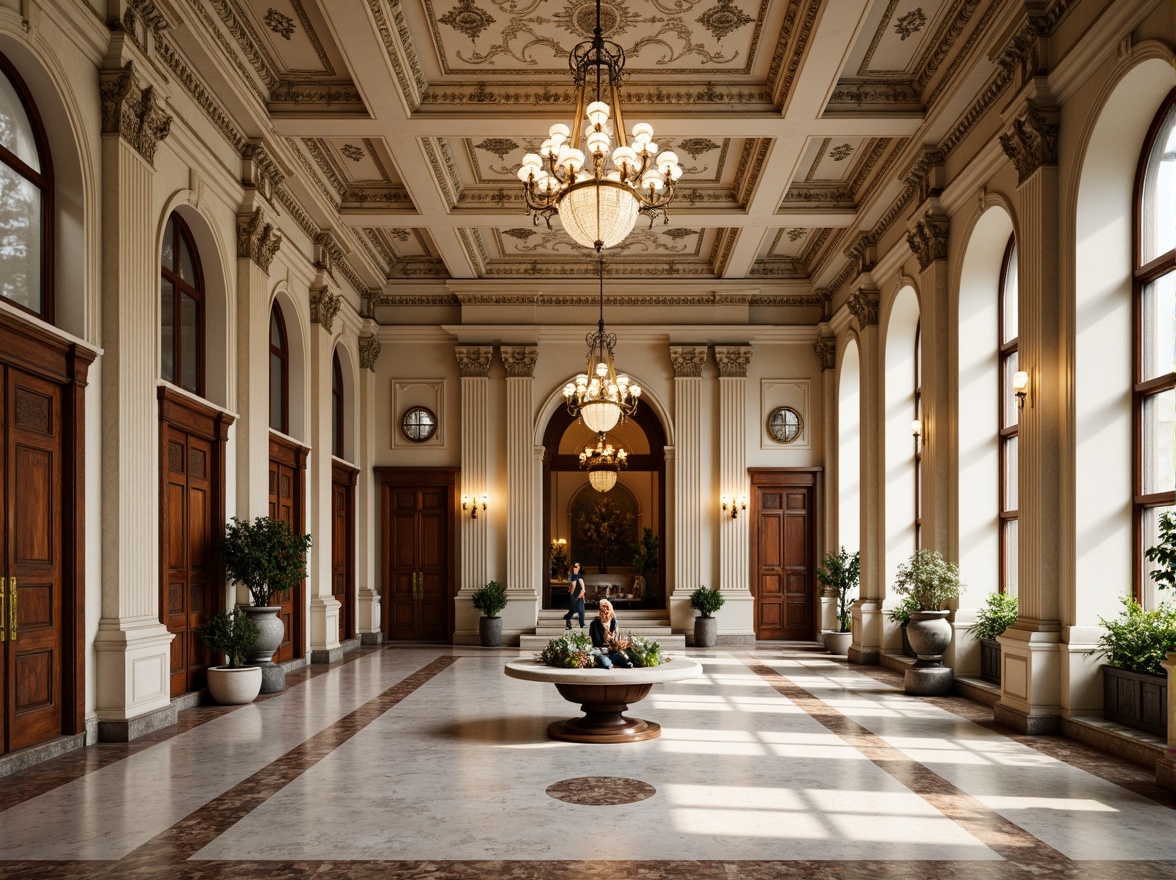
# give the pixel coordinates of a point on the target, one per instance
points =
(603, 632)
(576, 591)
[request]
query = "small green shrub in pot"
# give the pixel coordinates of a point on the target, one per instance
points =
(265, 555)
(901, 613)
(706, 602)
(841, 572)
(231, 634)
(928, 580)
(1137, 640)
(997, 615)
(490, 599)
(1164, 553)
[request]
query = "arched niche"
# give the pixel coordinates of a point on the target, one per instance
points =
(849, 450)
(348, 367)
(298, 344)
(899, 444)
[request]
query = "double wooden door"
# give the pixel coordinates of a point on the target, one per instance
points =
(783, 550)
(418, 512)
(287, 489)
(343, 479)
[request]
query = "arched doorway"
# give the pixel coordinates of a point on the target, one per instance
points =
(641, 486)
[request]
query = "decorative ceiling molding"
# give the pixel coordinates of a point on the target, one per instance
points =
(794, 37)
(949, 30)
(444, 169)
(200, 93)
(475, 249)
(873, 93)
(253, 79)
(750, 168)
(398, 46)
(711, 97)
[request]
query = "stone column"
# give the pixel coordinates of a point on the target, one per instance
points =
(523, 516)
(1166, 766)
(826, 350)
(325, 301)
(687, 506)
(473, 362)
(132, 647)
(868, 619)
(1030, 648)
(737, 623)
(367, 622)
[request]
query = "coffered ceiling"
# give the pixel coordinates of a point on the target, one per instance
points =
(404, 122)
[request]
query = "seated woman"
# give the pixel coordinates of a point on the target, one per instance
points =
(605, 633)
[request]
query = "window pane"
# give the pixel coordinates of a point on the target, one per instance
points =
(167, 331)
(1008, 332)
(1158, 223)
(20, 240)
(1151, 537)
(168, 256)
(189, 343)
(277, 413)
(187, 267)
(1010, 568)
(1157, 329)
(1159, 465)
(1008, 403)
(1009, 448)
(16, 131)
(275, 330)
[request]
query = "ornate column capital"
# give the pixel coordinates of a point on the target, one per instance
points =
(328, 251)
(133, 112)
(1033, 140)
(687, 360)
(925, 176)
(826, 349)
(369, 352)
(519, 360)
(257, 240)
(324, 305)
(260, 169)
(474, 360)
(864, 306)
(733, 360)
(928, 239)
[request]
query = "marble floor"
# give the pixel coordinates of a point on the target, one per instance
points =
(430, 762)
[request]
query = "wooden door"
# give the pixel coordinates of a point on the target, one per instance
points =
(418, 514)
(783, 548)
(31, 482)
(343, 480)
(287, 469)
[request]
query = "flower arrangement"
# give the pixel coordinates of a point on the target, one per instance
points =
(644, 652)
(572, 650)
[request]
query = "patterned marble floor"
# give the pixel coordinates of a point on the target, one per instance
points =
(429, 762)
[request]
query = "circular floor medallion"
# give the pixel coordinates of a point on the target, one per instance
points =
(601, 791)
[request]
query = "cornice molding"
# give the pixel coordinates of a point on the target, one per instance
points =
(519, 360)
(257, 239)
(329, 252)
(133, 112)
(473, 361)
(687, 360)
(733, 361)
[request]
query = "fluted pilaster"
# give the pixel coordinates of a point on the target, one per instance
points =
(474, 364)
(688, 504)
(522, 514)
(733, 361)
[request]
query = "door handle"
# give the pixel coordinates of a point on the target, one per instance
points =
(3, 596)
(420, 585)
(12, 609)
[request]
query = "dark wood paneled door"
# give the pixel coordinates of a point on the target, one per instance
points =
(31, 535)
(418, 517)
(287, 488)
(192, 515)
(343, 481)
(783, 549)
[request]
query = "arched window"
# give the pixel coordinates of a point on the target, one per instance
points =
(181, 309)
(1154, 397)
(1007, 301)
(917, 425)
(26, 200)
(337, 407)
(279, 378)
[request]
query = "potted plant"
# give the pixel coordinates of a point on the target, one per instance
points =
(1135, 685)
(490, 599)
(270, 560)
(559, 558)
(840, 572)
(706, 627)
(644, 561)
(231, 634)
(930, 582)
(997, 615)
(901, 614)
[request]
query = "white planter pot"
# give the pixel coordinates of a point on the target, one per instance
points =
(234, 687)
(838, 642)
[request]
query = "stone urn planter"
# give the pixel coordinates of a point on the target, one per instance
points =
(234, 687)
(271, 632)
(929, 634)
(490, 631)
(706, 631)
(838, 642)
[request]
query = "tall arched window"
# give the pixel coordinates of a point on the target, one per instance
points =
(1007, 407)
(279, 377)
(337, 407)
(918, 435)
(26, 212)
(181, 309)
(1154, 397)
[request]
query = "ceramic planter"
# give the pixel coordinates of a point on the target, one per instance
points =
(490, 631)
(234, 687)
(930, 634)
(838, 642)
(1136, 699)
(706, 630)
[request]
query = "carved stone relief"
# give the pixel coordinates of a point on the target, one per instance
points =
(324, 305)
(257, 240)
(864, 306)
(133, 112)
(519, 360)
(733, 360)
(687, 360)
(1032, 142)
(826, 350)
(474, 360)
(369, 352)
(928, 239)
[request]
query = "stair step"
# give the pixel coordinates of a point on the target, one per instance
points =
(673, 644)
(552, 632)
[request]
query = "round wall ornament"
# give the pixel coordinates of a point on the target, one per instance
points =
(418, 424)
(784, 424)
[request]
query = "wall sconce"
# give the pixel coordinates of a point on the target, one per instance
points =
(917, 429)
(470, 503)
(736, 504)
(1020, 387)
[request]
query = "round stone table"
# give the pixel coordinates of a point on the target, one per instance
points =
(604, 694)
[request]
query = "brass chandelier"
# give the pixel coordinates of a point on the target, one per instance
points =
(603, 463)
(600, 397)
(598, 195)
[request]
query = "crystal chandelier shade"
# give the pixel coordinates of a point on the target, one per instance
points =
(598, 189)
(603, 462)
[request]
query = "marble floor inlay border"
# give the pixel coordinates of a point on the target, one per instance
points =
(993, 830)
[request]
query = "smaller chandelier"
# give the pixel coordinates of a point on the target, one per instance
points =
(602, 463)
(597, 193)
(600, 397)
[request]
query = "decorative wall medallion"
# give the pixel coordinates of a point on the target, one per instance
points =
(500, 147)
(282, 25)
(720, 20)
(601, 791)
(796, 234)
(840, 153)
(911, 23)
(418, 424)
(521, 234)
(467, 18)
(401, 235)
(677, 233)
(784, 424)
(352, 152)
(696, 146)
(579, 17)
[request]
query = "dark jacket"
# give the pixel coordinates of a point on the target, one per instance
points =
(596, 632)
